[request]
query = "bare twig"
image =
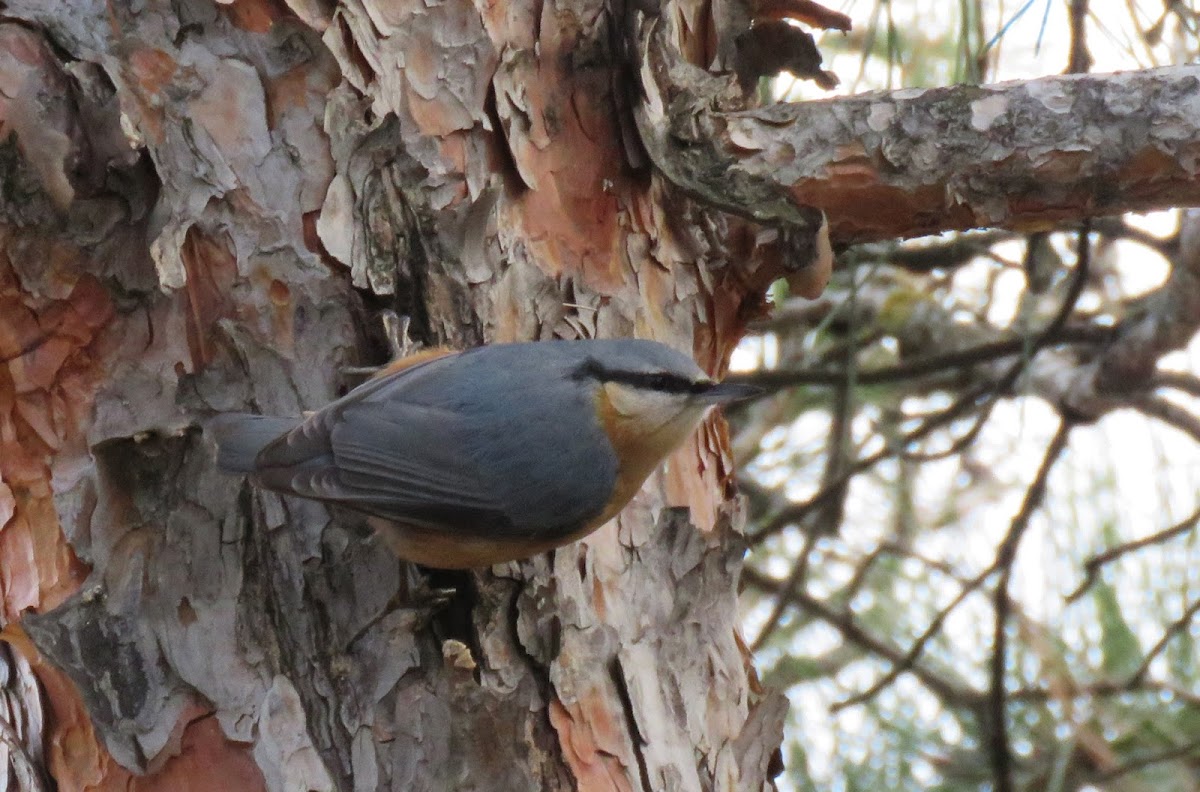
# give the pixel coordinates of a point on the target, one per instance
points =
(959, 445)
(831, 509)
(1169, 413)
(1116, 227)
(937, 255)
(1175, 628)
(791, 588)
(908, 661)
(1162, 321)
(950, 693)
(1006, 555)
(1188, 750)
(799, 511)
(1105, 688)
(1080, 60)
(932, 563)
(968, 401)
(931, 364)
(1092, 566)
(839, 448)
(1179, 380)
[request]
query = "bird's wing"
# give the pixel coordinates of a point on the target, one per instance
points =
(305, 445)
(402, 461)
(409, 458)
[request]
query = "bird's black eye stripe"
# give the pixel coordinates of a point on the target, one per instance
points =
(590, 369)
(662, 381)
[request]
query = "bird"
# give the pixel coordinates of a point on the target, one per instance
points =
(466, 459)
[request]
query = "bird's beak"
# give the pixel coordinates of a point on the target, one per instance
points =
(726, 392)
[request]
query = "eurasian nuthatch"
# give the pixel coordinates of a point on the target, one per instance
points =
(474, 458)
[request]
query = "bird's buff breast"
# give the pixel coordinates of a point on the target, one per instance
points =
(443, 549)
(640, 446)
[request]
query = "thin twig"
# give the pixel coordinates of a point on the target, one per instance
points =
(1179, 380)
(796, 512)
(908, 661)
(1006, 555)
(843, 621)
(1079, 61)
(964, 404)
(907, 552)
(790, 588)
(1091, 567)
(1106, 688)
(930, 364)
(957, 446)
(1117, 228)
(1177, 752)
(1175, 628)
(945, 255)
(1169, 413)
(831, 511)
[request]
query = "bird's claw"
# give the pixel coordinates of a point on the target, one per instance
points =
(396, 331)
(420, 605)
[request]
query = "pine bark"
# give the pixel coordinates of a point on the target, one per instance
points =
(207, 206)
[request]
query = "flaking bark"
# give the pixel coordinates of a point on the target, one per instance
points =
(466, 170)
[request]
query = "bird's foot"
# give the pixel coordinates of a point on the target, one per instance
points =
(396, 331)
(420, 606)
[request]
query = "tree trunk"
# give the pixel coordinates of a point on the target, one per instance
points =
(206, 205)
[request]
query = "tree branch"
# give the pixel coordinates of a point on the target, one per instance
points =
(1169, 413)
(930, 364)
(908, 661)
(914, 162)
(1188, 750)
(1092, 566)
(968, 401)
(1104, 688)
(950, 693)
(1182, 381)
(1176, 627)
(1163, 321)
(790, 590)
(1006, 555)
(935, 254)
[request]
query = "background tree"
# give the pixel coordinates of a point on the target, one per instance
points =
(973, 517)
(205, 207)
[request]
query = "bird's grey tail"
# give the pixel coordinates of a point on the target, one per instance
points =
(240, 436)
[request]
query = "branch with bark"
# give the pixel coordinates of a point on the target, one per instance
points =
(913, 162)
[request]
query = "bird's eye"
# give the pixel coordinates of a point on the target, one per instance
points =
(660, 382)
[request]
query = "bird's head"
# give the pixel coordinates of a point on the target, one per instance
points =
(650, 388)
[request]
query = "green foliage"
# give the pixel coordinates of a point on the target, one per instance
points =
(1122, 654)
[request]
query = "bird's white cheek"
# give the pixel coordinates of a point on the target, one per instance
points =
(663, 419)
(646, 410)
